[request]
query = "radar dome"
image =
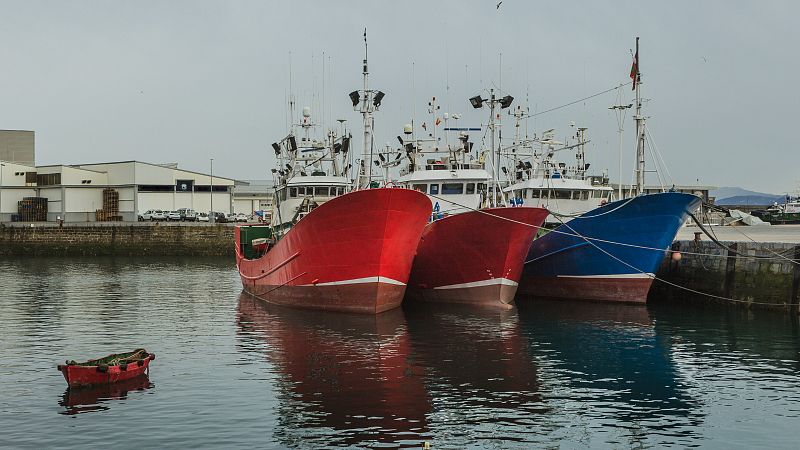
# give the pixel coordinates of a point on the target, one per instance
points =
(306, 111)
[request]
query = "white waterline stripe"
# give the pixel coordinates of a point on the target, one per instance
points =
(385, 280)
(492, 282)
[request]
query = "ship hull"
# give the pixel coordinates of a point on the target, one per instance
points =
(474, 257)
(351, 254)
(562, 264)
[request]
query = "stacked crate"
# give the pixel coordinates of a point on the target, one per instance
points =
(31, 209)
(110, 211)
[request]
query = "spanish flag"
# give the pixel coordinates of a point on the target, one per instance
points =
(635, 66)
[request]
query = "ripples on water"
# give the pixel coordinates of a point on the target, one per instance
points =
(234, 372)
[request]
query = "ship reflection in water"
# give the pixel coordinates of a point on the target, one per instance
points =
(350, 374)
(453, 374)
(77, 400)
(610, 370)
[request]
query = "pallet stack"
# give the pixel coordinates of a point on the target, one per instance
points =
(110, 211)
(31, 209)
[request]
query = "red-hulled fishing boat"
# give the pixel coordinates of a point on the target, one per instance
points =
(111, 369)
(469, 253)
(352, 253)
(475, 257)
(328, 249)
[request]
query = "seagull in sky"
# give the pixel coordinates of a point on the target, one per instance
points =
(498, 4)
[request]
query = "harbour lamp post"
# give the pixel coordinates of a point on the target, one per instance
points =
(1, 191)
(212, 217)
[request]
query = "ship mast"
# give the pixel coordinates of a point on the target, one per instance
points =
(366, 101)
(640, 136)
(504, 102)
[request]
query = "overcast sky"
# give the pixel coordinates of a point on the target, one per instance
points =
(186, 81)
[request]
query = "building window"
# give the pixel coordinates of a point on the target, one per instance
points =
(48, 179)
(452, 188)
(155, 188)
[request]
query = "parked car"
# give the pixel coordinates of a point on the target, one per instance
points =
(157, 214)
(202, 217)
(218, 217)
(188, 214)
(147, 215)
(241, 217)
(173, 215)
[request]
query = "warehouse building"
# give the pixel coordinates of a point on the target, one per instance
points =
(110, 191)
(253, 195)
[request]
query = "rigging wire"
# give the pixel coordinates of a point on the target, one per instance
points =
(621, 244)
(577, 101)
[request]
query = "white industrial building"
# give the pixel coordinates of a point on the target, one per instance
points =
(75, 192)
(253, 195)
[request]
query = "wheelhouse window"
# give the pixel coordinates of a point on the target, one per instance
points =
(452, 188)
(482, 187)
(470, 188)
(420, 187)
(293, 192)
(562, 194)
(534, 193)
(321, 191)
(598, 194)
(434, 189)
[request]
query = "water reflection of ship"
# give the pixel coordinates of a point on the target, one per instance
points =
(93, 398)
(611, 354)
(349, 373)
(478, 362)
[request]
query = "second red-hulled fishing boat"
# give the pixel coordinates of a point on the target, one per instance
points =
(352, 253)
(474, 257)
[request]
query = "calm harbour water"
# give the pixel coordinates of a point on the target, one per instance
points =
(232, 372)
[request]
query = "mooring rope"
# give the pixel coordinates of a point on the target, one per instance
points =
(604, 241)
(650, 275)
(654, 277)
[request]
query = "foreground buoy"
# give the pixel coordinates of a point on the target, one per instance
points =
(676, 256)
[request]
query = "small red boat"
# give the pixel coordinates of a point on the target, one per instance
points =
(111, 369)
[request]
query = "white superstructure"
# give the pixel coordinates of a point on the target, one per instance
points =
(453, 178)
(310, 171)
(540, 180)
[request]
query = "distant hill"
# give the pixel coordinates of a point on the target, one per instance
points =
(739, 196)
(749, 200)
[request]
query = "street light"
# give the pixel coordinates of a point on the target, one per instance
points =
(1, 191)
(212, 217)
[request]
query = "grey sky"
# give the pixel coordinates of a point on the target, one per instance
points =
(185, 81)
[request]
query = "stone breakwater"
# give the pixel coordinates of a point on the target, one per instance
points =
(117, 240)
(758, 275)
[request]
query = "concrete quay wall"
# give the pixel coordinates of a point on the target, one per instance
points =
(117, 240)
(758, 275)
